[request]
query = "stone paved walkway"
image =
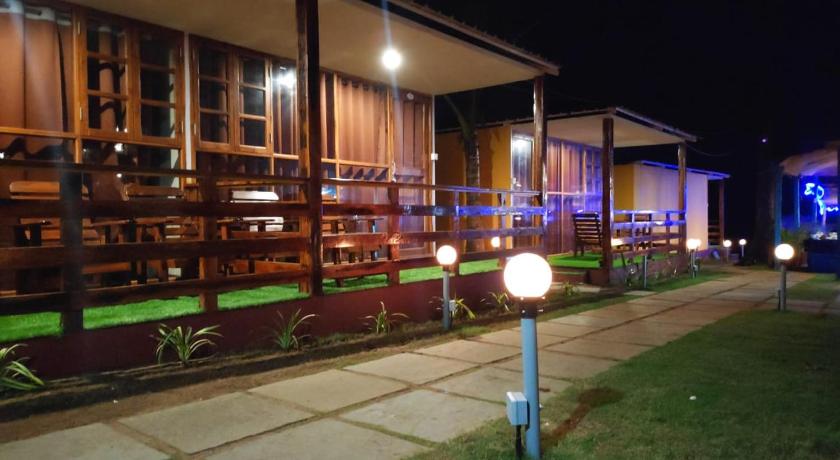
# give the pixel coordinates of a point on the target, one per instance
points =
(403, 404)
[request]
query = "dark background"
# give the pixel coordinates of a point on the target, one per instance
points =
(730, 72)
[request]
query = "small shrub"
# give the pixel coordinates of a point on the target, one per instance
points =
(183, 341)
(285, 336)
(568, 289)
(14, 375)
(498, 301)
(383, 322)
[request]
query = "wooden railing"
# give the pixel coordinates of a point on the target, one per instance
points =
(642, 231)
(208, 237)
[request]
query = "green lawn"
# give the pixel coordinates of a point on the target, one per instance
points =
(589, 260)
(765, 387)
(823, 287)
(19, 327)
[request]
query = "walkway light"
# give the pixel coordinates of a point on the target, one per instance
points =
(692, 244)
(391, 59)
(528, 277)
(446, 257)
(783, 252)
(727, 244)
(496, 242)
(742, 242)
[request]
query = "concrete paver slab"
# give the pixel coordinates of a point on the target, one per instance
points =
(201, 425)
(563, 366)
(410, 367)
(329, 390)
(94, 442)
(565, 330)
(513, 338)
(619, 313)
(584, 320)
(639, 293)
(491, 384)
(470, 350)
(657, 301)
(428, 415)
(323, 440)
(600, 349)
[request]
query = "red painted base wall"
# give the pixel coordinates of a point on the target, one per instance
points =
(129, 346)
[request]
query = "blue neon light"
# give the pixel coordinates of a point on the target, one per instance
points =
(818, 192)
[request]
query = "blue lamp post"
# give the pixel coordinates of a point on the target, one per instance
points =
(527, 278)
(446, 257)
(783, 252)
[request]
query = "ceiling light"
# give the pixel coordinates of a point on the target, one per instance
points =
(391, 59)
(287, 79)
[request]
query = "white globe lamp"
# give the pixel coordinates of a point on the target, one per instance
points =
(783, 252)
(446, 257)
(527, 276)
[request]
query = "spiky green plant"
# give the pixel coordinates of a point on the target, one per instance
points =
(498, 301)
(383, 322)
(183, 341)
(460, 311)
(14, 375)
(285, 336)
(568, 289)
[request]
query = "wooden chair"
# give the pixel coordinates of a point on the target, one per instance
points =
(587, 231)
(46, 231)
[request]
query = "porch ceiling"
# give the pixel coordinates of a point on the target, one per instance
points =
(822, 162)
(352, 33)
(629, 129)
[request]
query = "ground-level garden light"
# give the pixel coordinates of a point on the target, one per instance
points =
(783, 252)
(742, 242)
(446, 257)
(727, 244)
(692, 244)
(528, 277)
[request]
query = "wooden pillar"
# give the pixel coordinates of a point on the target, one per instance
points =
(607, 187)
(208, 267)
(394, 230)
(540, 157)
(72, 278)
(682, 193)
(797, 212)
(721, 212)
(308, 99)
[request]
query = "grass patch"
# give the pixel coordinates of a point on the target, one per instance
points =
(823, 287)
(590, 260)
(765, 386)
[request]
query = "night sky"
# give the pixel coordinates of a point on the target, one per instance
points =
(730, 72)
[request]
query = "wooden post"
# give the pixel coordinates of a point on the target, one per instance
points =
(607, 154)
(394, 230)
(309, 134)
(797, 213)
(682, 150)
(208, 267)
(721, 213)
(540, 157)
(72, 278)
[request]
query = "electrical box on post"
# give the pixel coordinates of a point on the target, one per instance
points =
(517, 408)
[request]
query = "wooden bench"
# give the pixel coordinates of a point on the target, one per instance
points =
(46, 231)
(587, 231)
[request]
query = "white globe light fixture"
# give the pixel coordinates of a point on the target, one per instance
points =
(727, 243)
(391, 59)
(528, 277)
(446, 257)
(495, 242)
(783, 252)
(742, 242)
(692, 244)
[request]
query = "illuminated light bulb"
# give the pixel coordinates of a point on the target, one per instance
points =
(119, 175)
(527, 276)
(119, 147)
(446, 255)
(496, 242)
(692, 244)
(391, 59)
(742, 242)
(287, 79)
(616, 242)
(784, 252)
(727, 243)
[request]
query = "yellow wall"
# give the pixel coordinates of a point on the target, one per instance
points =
(625, 193)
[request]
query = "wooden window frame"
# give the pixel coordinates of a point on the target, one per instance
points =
(133, 67)
(234, 112)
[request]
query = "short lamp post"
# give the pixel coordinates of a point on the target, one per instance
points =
(446, 257)
(783, 252)
(742, 242)
(727, 245)
(528, 277)
(692, 244)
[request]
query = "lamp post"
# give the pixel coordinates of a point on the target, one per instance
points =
(446, 257)
(528, 277)
(727, 244)
(783, 252)
(692, 244)
(742, 242)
